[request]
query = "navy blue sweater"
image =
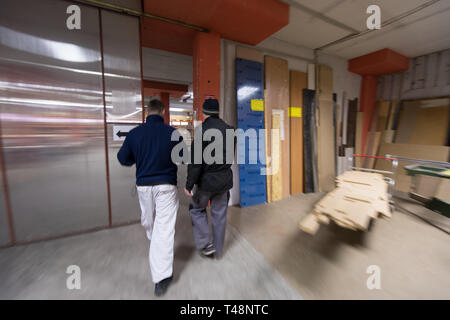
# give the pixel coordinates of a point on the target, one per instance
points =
(149, 146)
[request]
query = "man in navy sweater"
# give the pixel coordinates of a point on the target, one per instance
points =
(149, 146)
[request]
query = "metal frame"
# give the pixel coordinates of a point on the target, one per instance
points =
(105, 127)
(9, 216)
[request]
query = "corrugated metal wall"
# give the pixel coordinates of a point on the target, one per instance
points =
(428, 76)
(52, 117)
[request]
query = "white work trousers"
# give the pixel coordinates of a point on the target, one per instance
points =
(159, 206)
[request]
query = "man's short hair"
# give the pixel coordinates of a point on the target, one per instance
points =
(155, 106)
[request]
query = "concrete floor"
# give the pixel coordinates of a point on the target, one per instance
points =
(266, 257)
(413, 256)
(114, 265)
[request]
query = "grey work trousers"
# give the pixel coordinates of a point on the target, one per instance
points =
(200, 224)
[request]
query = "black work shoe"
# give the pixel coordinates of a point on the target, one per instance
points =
(208, 250)
(161, 287)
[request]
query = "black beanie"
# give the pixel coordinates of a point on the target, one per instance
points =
(211, 107)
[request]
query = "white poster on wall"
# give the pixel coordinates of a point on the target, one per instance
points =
(121, 131)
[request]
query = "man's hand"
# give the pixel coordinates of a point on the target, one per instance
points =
(188, 193)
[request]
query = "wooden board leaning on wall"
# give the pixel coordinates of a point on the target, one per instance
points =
(276, 78)
(298, 82)
(325, 131)
(424, 121)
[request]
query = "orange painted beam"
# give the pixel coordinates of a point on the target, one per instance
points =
(167, 36)
(380, 62)
(165, 98)
(206, 69)
(247, 21)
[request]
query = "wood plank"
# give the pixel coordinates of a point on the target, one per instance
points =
(431, 126)
(325, 144)
(392, 110)
(388, 136)
(414, 151)
(351, 123)
(339, 125)
(268, 135)
(373, 149)
(383, 114)
(310, 224)
(298, 82)
(358, 138)
(325, 131)
(249, 54)
(408, 115)
(277, 97)
(277, 175)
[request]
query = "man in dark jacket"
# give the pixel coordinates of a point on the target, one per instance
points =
(149, 146)
(213, 180)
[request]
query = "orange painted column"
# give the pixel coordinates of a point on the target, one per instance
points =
(368, 97)
(370, 66)
(206, 59)
(165, 98)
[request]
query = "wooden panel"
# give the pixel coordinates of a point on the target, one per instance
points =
(277, 97)
(339, 125)
(358, 137)
(325, 141)
(374, 149)
(249, 54)
(298, 82)
(268, 135)
(415, 151)
(431, 126)
(408, 116)
(383, 114)
(392, 110)
(277, 185)
(325, 131)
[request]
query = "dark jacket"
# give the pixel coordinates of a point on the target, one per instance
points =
(149, 146)
(211, 177)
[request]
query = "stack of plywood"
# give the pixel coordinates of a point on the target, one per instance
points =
(358, 198)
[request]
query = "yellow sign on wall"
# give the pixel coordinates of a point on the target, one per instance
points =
(257, 105)
(295, 112)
